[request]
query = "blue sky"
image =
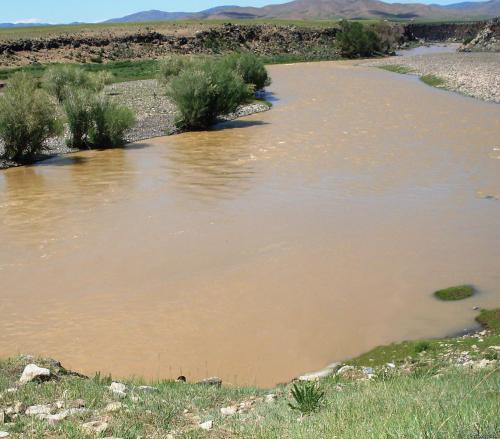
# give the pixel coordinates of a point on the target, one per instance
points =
(64, 11)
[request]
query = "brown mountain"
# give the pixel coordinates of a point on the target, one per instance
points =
(330, 9)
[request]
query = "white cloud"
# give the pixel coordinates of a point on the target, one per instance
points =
(28, 21)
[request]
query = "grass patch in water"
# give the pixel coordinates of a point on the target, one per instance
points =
(396, 68)
(458, 292)
(490, 319)
(433, 80)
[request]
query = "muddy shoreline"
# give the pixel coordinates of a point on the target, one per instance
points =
(155, 115)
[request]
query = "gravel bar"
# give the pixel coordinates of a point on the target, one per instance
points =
(474, 74)
(155, 115)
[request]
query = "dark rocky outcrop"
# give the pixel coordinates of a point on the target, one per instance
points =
(486, 40)
(443, 31)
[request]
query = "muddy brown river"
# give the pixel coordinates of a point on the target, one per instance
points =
(266, 248)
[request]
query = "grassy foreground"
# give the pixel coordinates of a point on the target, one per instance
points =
(442, 388)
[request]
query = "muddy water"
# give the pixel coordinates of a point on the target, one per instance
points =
(264, 249)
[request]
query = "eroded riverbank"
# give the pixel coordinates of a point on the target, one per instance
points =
(264, 249)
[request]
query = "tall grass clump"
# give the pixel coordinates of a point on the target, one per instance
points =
(354, 40)
(59, 80)
(27, 118)
(110, 121)
(250, 67)
(308, 397)
(95, 121)
(173, 66)
(205, 90)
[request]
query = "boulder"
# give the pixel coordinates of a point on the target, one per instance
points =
(113, 406)
(228, 411)
(323, 373)
(34, 373)
(4, 434)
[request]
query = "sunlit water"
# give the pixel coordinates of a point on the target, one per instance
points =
(270, 247)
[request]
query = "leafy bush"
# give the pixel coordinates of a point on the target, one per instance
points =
(308, 397)
(389, 35)
(59, 80)
(110, 121)
(95, 121)
(78, 106)
(27, 118)
(422, 346)
(354, 40)
(251, 68)
(173, 66)
(206, 90)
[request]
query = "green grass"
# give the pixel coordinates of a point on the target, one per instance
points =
(122, 70)
(396, 68)
(433, 80)
(490, 319)
(458, 292)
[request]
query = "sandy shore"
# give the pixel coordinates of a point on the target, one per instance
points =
(474, 74)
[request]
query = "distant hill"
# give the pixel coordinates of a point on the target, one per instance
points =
(12, 25)
(330, 9)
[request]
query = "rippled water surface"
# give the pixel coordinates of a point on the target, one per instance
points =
(272, 246)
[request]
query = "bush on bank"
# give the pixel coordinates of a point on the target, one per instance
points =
(205, 89)
(354, 40)
(27, 118)
(251, 68)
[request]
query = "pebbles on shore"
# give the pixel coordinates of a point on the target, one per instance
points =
(474, 74)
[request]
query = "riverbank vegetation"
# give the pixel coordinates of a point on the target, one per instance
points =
(447, 390)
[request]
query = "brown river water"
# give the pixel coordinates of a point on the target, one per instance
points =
(266, 248)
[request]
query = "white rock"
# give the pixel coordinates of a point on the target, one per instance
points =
(95, 427)
(207, 425)
(113, 406)
(147, 389)
(4, 434)
(271, 398)
(228, 411)
(368, 370)
(495, 348)
(323, 373)
(58, 417)
(344, 369)
(391, 365)
(39, 410)
(32, 372)
(118, 389)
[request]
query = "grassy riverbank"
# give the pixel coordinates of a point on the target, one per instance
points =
(442, 388)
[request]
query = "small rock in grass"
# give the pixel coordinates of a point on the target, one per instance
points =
(118, 389)
(2, 417)
(368, 370)
(95, 427)
(207, 425)
(34, 373)
(4, 434)
(149, 389)
(391, 365)
(113, 406)
(213, 381)
(271, 397)
(45, 409)
(228, 411)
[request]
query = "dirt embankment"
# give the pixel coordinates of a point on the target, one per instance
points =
(262, 39)
(443, 31)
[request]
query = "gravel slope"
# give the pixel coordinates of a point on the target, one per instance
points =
(473, 74)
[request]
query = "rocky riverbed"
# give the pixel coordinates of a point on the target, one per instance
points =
(474, 74)
(155, 113)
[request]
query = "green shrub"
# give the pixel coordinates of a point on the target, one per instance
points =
(308, 397)
(354, 40)
(110, 121)
(251, 68)
(59, 80)
(455, 293)
(206, 90)
(422, 346)
(27, 118)
(95, 121)
(173, 66)
(78, 106)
